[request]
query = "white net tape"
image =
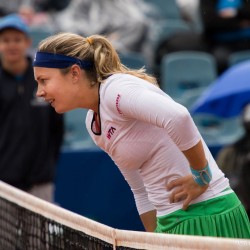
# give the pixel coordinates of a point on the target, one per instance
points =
(118, 238)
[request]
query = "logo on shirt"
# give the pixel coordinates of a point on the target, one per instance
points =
(117, 104)
(110, 132)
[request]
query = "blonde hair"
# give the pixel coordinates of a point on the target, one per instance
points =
(95, 48)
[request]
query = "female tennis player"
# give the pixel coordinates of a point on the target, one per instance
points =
(178, 187)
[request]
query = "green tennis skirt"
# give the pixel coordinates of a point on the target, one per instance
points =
(223, 216)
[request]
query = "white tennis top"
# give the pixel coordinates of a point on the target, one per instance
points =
(144, 131)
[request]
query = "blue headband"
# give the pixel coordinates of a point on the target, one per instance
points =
(50, 60)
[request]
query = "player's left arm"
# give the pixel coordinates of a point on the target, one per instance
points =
(163, 112)
(186, 188)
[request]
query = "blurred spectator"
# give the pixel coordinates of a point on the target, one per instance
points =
(36, 13)
(226, 26)
(124, 21)
(234, 160)
(31, 132)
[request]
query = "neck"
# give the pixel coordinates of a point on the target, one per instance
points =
(16, 68)
(95, 106)
(89, 98)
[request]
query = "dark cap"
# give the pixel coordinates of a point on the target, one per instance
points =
(14, 21)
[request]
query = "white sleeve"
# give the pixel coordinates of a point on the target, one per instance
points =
(135, 182)
(136, 102)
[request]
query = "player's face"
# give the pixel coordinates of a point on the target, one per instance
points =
(66, 91)
(13, 45)
(56, 88)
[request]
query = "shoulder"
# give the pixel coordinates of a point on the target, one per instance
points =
(124, 83)
(118, 88)
(117, 84)
(121, 79)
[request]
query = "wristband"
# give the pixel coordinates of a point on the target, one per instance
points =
(202, 177)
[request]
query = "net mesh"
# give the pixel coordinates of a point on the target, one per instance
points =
(24, 229)
(28, 223)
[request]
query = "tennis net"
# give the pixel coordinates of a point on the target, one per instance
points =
(29, 223)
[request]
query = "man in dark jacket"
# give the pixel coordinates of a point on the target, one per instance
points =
(31, 132)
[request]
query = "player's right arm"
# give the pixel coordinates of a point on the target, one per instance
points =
(145, 208)
(149, 220)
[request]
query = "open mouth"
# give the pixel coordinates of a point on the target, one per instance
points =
(50, 101)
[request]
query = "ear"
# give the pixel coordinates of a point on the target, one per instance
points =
(75, 72)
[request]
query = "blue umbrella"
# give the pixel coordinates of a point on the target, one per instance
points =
(228, 94)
